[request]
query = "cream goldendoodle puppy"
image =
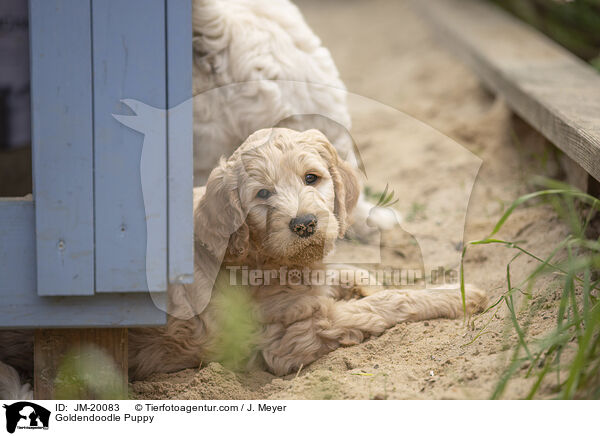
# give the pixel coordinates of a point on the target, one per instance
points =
(279, 203)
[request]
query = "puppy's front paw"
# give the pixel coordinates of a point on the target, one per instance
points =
(355, 282)
(356, 292)
(476, 299)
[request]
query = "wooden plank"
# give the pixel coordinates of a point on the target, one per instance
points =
(62, 145)
(180, 141)
(22, 307)
(555, 92)
(131, 222)
(64, 357)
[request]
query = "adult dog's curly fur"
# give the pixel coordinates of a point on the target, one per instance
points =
(233, 226)
(256, 63)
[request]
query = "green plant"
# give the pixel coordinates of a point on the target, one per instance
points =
(416, 212)
(238, 328)
(382, 199)
(576, 260)
(89, 372)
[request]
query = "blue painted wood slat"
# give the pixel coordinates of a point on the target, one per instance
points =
(62, 145)
(130, 203)
(180, 141)
(21, 306)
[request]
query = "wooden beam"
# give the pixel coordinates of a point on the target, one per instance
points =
(555, 92)
(61, 102)
(180, 141)
(130, 168)
(80, 364)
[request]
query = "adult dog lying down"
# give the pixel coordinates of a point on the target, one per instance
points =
(282, 199)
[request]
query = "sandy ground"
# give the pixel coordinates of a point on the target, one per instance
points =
(387, 55)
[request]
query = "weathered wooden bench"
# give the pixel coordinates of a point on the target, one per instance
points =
(95, 248)
(547, 86)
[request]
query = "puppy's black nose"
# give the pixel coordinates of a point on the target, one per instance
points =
(304, 226)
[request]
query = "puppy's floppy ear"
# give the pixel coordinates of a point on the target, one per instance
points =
(219, 219)
(220, 232)
(344, 179)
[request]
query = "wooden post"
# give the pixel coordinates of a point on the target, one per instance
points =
(80, 363)
(575, 174)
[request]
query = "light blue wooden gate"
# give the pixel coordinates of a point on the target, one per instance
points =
(110, 221)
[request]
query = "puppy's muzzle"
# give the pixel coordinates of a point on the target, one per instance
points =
(304, 226)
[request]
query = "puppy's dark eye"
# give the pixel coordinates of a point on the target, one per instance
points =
(310, 178)
(263, 193)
